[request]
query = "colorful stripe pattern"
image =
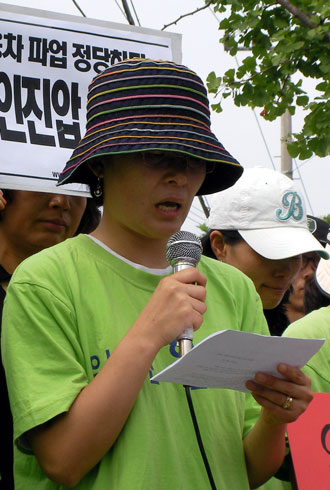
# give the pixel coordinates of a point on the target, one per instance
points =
(139, 105)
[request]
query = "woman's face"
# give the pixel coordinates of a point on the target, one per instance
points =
(271, 278)
(149, 200)
(307, 270)
(36, 220)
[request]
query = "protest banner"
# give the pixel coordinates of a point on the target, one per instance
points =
(47, 61)
(309, 439)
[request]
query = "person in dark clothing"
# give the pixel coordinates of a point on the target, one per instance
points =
(294, 305)
(29, 222)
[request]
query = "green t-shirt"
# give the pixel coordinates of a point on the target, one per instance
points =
(315, 325)
(276, 484)
(67, 308)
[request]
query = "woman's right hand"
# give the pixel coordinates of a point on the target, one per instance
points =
(177, 303)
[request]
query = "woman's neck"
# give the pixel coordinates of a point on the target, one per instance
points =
(292, 313)
(148, 252)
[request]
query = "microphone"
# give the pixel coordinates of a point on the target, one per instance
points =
(183, 250)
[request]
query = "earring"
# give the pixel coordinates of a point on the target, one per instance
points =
(98, 189)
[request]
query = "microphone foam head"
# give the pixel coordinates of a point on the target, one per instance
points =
(183, 245)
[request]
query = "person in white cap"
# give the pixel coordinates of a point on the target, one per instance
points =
(259, 225)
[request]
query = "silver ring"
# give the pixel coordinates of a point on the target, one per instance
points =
(288, 402)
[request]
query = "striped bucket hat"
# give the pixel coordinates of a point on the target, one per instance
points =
(139, 105)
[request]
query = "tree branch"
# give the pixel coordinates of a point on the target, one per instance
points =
(186, 15)
(297, 13)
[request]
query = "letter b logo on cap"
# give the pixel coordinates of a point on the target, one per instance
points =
(292, 203)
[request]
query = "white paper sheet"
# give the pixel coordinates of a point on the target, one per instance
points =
(227, 359)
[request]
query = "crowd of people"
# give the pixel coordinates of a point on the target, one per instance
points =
(92, 309)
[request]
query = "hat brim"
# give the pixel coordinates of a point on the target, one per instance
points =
(322, 275)
(206, 147)
(282, 243)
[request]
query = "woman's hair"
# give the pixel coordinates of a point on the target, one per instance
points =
(276, 318)
(231, 237)
(97, 184)
(91, 217)
(8, 194)
(313, 297)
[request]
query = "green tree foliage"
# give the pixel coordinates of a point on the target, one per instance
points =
(286, 42)
(203, 227)
(327, 218)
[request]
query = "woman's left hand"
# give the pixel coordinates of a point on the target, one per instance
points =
(282, 399)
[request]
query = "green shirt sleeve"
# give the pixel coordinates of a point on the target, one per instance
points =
(315, 325)
(38, 326)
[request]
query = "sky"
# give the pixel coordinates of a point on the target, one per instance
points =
(244, 133)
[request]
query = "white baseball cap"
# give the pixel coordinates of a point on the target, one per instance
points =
(267, 210)
(322, 275)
